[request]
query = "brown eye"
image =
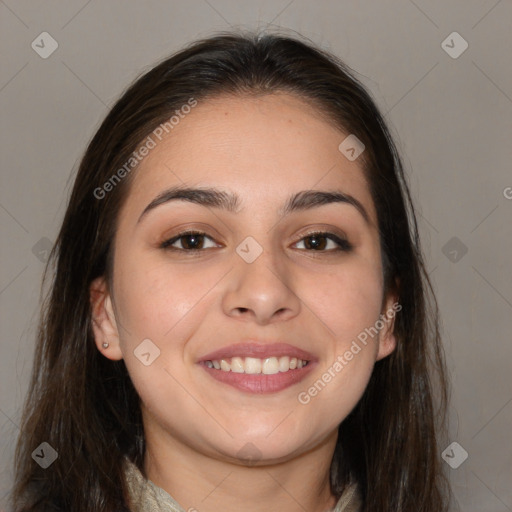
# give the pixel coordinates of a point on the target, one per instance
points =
(189, 241)
(319, 241)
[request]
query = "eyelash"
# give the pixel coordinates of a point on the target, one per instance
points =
(343, 244)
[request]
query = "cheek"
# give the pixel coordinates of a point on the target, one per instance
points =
(160, 305)
(346, 302)
(346, 305)
(153, 298)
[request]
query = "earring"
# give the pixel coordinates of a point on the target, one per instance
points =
(105, 345)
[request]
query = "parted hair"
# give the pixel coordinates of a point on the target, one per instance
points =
(85, 406)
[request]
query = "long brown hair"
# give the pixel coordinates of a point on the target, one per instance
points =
(85, 406)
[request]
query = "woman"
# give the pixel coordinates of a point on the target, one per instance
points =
(240, 317)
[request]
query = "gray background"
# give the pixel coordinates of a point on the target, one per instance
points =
(451, 118)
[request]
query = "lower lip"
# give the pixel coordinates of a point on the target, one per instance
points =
(260, 383)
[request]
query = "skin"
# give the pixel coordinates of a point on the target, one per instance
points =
(263, 149)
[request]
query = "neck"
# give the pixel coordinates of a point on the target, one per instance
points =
(200, 482)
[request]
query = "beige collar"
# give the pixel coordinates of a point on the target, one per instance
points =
(145, 496)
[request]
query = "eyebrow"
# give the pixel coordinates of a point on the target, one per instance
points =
(212, 197)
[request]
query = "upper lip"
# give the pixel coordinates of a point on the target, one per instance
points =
(259, 350)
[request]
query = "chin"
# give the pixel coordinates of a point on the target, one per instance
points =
(267, 449)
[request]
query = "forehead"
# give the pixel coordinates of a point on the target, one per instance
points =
(263, 148)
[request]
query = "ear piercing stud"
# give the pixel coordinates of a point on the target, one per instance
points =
(105, 345)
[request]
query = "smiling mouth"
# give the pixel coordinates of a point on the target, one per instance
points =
(258, 367)
(255, 366)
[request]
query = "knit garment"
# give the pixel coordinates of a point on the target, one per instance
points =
(145, 496)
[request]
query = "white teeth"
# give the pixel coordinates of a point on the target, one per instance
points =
(284, 364)
(237, 365)
(270, 366)
(254, 366)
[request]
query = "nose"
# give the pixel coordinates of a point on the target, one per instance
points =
(262, 291)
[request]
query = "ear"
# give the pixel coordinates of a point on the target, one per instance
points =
(387, 338)
(106, 334)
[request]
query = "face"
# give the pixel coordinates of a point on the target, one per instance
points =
(245, 338)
